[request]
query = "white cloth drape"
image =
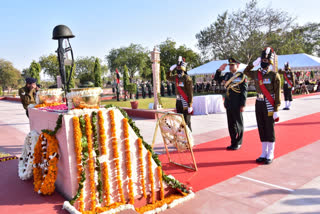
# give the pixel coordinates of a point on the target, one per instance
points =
(207, 104)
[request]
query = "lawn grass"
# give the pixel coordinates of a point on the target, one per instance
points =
(167, 102)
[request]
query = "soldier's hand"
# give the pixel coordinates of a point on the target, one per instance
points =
(173, 67)
(276, 116)
(256, 62)
(190, 109)
(241, 108)
(223, 66)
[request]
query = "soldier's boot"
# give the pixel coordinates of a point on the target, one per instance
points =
(270, 154)
(263, 155)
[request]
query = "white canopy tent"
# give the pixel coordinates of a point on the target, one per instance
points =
(297, 62)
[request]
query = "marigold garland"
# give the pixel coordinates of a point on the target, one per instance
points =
(44, 183)
(42, 105)
(109, 207)
(8, 158)
(90, 162)
(157, 204)
(151, 180)
(102, 139)
(141, 168)
(161, 184)
(128, 159)
(77, 135)
(116, 155)
(96, 150)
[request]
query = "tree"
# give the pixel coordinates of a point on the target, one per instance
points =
(10, 77)
(310, 33)
(125, 81)
(34, 71)
(50, 65)
(84, 69)
(162, 74)
(135, 57)
(97, 74)
(243, 33)
(169, 55)
(68, 71)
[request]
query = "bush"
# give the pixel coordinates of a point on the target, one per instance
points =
(132, 88)
(252, 94)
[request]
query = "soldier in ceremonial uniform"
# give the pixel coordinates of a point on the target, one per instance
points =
(169, 88)
(149, 89)
(143, 90)
(28, 93)
(183, 90)
(288, 86)
(235, 100)
(267, 83)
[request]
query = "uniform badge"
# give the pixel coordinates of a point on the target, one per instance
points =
(266, 81)
(181, 84)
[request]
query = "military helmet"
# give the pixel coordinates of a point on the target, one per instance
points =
(268, 53)
(61, 31)
(286, 65)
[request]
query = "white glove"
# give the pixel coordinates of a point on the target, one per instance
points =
(292, 89)
(257, 62)
(190, 109)
(276, 116)
(173, 67)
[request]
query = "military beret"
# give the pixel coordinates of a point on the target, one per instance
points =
(233, 61)
(31, 80)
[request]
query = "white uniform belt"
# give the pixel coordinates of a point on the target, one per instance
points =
(260, 97)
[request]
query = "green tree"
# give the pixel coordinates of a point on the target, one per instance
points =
(310, 33)
(243, 33)
(84, 69)
(97, 74)
(34, 71)
(162, 74)
(125, 80)
(169, 55)
(135, 57)
(10, 77)
(72, 81)
(50, 65)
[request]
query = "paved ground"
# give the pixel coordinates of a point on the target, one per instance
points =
(290, 185)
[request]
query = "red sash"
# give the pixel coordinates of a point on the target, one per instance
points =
(264, 89)
(181, 92)
(287, 79)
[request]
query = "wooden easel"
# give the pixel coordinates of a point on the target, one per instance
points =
(163, 116)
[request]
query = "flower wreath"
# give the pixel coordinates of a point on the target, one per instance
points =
(173, 132)
(45, 168)
(26, 160)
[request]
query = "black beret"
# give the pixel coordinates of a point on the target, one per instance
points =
(31, 80)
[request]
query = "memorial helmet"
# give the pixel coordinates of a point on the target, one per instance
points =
(61, 32)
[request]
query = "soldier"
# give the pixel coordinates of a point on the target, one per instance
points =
(184, 89)
(169, 88)
(267, 84)
(149, 89)
(143, 90)
(137, 93)
(235, 100)
(288, 86)
(162, 89)
(28, 93)
(173, 88)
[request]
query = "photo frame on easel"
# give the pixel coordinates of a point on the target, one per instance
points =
(175, 132)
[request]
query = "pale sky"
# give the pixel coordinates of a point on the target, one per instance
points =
(100, 25)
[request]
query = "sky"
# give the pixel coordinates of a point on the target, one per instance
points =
(101, 25)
